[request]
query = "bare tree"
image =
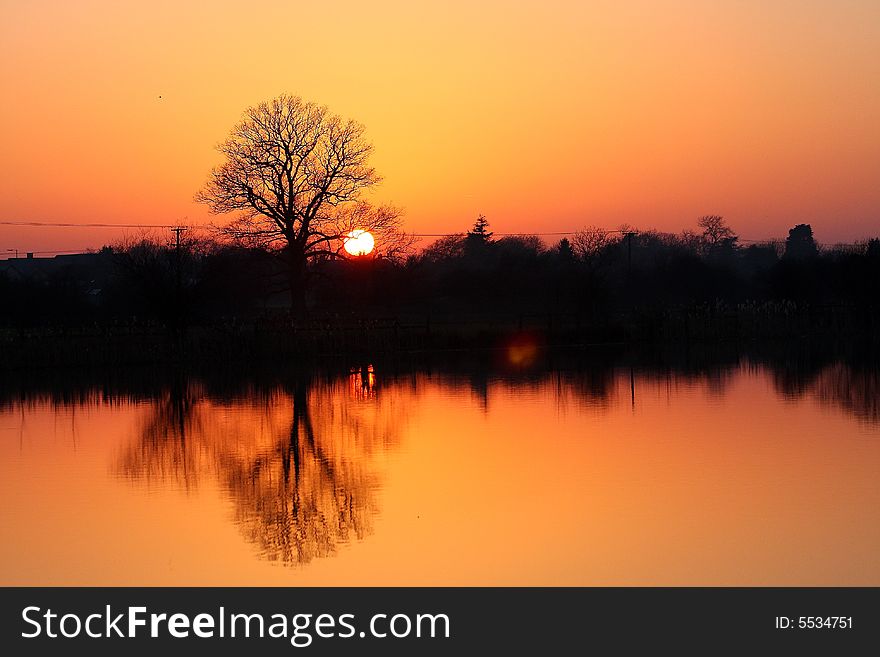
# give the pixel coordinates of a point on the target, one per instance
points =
(295, 173)
(716, 232)
(592, 244)
(448, 247)
(160, 276)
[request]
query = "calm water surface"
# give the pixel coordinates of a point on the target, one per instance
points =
(737, 477)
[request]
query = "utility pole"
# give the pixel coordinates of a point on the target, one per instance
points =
(629, 253)
(177, 230)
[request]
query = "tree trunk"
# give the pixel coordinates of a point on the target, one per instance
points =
(297, 280)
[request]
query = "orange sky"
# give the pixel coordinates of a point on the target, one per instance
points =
(542, 115)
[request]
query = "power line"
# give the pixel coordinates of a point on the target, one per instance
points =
(526, 234)
(63, 251)
(564, 232)
(21, 252)
(86, 225)
(50, 224)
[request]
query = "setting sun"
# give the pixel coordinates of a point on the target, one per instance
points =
(359, 243)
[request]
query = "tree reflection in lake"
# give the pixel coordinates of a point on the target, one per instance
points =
(166, 451)
(299, 461)
(299, 458)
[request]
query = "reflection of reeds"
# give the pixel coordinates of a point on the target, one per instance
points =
(856, 391)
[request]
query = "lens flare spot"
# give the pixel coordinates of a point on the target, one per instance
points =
(522, 352)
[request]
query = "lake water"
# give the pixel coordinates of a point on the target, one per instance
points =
(741, 474)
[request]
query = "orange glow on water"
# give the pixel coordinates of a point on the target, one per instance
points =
(547, 481)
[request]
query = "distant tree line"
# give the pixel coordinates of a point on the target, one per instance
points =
(596, 275)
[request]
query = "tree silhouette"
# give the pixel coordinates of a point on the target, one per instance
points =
(800, 243)
(714, 228)
(446, 248)
(481, 229)
(480, 235)
(295, 173)
(591, 245)
(157, 278)
(564, 250)
(717, 237)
